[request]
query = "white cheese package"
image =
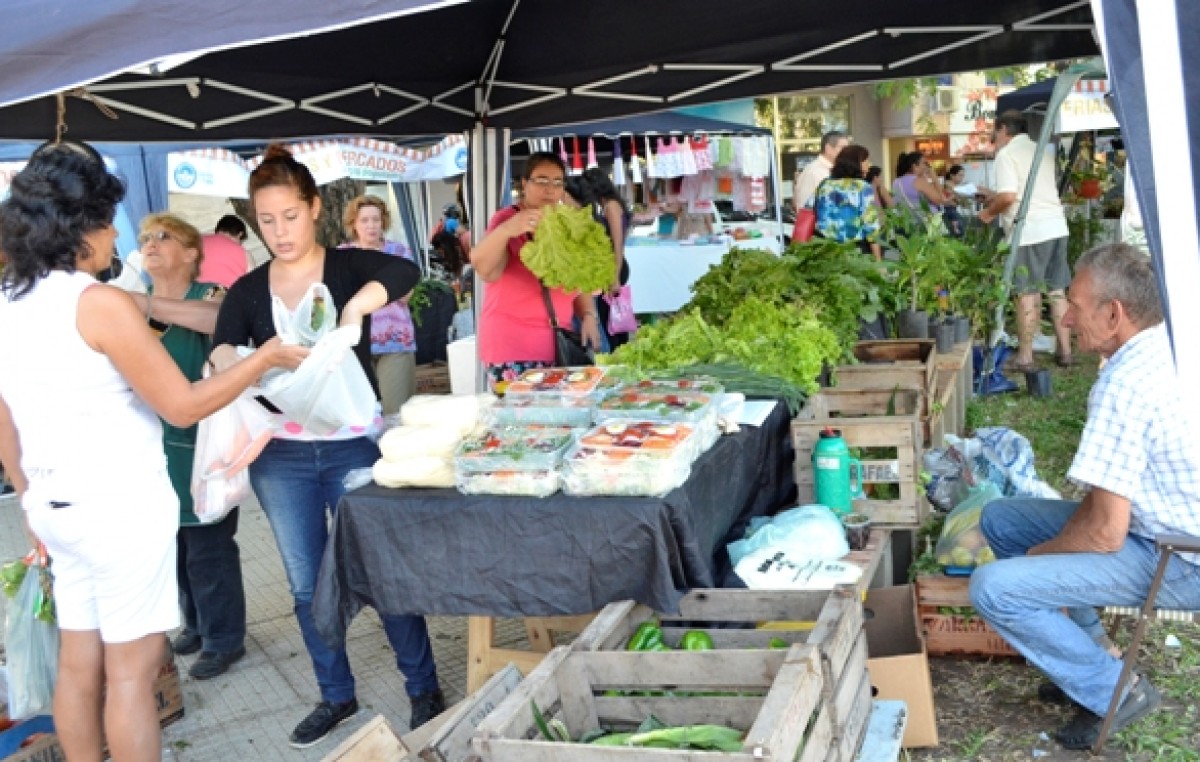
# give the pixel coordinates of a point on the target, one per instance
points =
(524, 483)
(638, 458)
(405, 442)
(414, 472)
(459, 412)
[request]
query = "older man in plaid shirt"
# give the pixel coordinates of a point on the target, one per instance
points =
(1139, 461)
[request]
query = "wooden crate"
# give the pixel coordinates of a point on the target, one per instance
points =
(779, 704)
(861, 416)
(168, 697)
(433, 378)
(887, 363)
(955, 367)
(955, 634)
(946, 412)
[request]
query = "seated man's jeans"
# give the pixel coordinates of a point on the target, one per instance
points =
(1021, 597)
(299, 485)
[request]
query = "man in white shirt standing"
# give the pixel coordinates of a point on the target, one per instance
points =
(805, 185)
(1041, 263)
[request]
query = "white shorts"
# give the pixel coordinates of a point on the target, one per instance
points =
(113, 559)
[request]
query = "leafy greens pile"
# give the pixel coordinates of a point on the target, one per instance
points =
(773, 338)
(834, 279)
(570, 250)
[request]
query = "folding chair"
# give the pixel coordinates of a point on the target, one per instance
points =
(1167, 545)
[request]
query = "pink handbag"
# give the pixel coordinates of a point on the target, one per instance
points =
(620, 312)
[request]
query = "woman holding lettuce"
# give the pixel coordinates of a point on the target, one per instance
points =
(514, 329)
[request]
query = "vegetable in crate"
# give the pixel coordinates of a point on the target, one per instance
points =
(696, 640)
(647, 637)
(570, 250)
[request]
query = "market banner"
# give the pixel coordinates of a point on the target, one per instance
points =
(207, 172)
(222, 173)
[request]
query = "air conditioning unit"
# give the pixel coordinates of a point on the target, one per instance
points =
(946, 99)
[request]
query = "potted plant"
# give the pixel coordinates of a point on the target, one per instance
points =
(923, 270)
(1091, 181)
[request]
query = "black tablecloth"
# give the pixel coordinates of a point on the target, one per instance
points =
(436, 551)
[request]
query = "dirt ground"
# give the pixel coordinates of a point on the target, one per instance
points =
(988, 710)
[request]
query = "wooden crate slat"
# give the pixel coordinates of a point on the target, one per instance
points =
(513, 713)
(819, 740)
(850, 736)
(794, 697)
(947, 634)
(734, 711)
(503, 750)
(845, 691)
(723, 605)
(682, 670)
(574, 690)
(835, 634)
(838, 403)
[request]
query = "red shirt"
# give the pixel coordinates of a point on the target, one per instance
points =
(224, 260)
(513, 324)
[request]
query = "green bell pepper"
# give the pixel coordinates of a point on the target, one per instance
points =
(696, 640)
(645, 638)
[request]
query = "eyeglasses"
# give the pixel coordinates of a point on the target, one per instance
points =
(546, 182)
(158, 235)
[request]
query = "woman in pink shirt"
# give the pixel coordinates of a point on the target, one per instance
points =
(514, 329)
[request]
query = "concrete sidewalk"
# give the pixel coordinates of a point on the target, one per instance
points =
(247, 713)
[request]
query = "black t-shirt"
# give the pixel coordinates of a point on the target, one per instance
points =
(245, 318)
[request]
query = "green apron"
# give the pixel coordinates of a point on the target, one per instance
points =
(189, 350)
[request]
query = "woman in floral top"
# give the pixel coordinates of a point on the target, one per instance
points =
(845, 202)
(393, 338)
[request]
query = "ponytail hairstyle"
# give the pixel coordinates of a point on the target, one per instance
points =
(280, 168)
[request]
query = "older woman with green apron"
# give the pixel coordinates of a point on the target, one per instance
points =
(184, 313)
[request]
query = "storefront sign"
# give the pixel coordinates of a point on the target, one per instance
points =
(932, 146)
(971, 124)
(1086, 109)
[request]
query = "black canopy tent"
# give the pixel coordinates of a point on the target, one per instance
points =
(508, 63)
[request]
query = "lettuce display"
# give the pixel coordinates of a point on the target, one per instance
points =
(570, 250)
(775, 338)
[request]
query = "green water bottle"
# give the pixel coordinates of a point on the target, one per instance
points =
(831, 473)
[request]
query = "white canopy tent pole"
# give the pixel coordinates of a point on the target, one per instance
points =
(777, 186)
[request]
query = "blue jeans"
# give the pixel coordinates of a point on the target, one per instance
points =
(299, 485)
(210, 584)
(1021, 596)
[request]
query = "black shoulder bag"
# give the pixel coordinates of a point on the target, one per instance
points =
(569, 350)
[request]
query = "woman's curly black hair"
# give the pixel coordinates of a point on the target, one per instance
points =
(62, 194)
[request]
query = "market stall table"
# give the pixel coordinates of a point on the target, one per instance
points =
(439, 552)
(661, 272)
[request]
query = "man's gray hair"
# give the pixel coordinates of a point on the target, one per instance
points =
(1013, 122)
(1122, 273)
(830, 138)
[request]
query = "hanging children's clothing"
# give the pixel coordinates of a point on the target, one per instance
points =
(635, 166)
(700, 153)
(591, 161)
(667, 159)
(652, 168)
(618, 164)
(687, 159)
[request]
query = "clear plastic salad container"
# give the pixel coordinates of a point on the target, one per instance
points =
(677, 384)
(632, 403)
(630, 472)
(524, 483)
(573, 381)
(532, 448)
(545, 409)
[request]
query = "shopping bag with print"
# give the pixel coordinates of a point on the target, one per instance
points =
(620, 312)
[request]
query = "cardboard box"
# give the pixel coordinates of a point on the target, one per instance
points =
(433, 378)
(897, 663)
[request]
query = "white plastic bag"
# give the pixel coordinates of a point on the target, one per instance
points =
(329, 390)
(808, 531)
(315, 317)
(775, 569)
(31, 643)
(228, 441)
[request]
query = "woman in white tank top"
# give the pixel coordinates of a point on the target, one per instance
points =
(84, 378)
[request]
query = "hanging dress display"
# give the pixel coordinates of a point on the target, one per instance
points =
(618, 172)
